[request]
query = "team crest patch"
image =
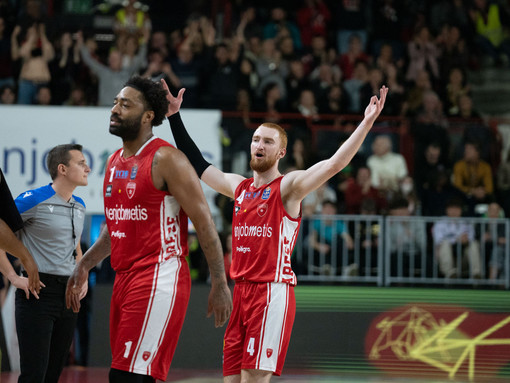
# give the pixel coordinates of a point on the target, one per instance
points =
(146, 355)
(266, 193)
(269, 352)
(262, 209)
(130, 189)
(108, 192)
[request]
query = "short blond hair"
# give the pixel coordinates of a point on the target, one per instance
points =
(281, 132)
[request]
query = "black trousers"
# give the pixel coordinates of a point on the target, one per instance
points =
(45, 331)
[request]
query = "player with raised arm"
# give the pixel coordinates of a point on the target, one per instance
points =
(266, 220)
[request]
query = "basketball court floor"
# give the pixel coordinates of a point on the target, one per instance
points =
(100, 375)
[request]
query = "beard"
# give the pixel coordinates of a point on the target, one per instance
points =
(127, 129)
(262, 166)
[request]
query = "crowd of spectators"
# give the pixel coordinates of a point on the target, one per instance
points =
(307, 59)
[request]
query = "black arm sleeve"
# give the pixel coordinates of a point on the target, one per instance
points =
(186, 144)
(8, 210)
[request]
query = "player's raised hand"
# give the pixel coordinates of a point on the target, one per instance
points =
(376, 105)
(174, 102)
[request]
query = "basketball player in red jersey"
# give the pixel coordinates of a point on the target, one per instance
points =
(149, 191)
(266, 219)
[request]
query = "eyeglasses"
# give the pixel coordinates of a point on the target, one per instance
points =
(74, 233)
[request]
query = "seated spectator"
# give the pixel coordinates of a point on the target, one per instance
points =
(296, 81)
(43, 96)
(111, 77)
(317, 54)
(77, 97)
(280, 21)
(396, 91)
(451, 235)
(387, 167)
(475, 130)
(351, 18)
(347, 61)
(330, 240)
(408, 240)
(494, 239)
(386, 58)
(413, 99)
(427, 166)
(337, 101)
(299, 157)
(313, 19)
(439, 191)
(423, 55)
(307, 105)
(7, 95)
(354, 85)
(430, 124)
(271, 68)
(272, 102)
(454, 51)
(372, 86)
(322, 79)
(473, 176)
(358, 189)
(456, 87)
(314, 201)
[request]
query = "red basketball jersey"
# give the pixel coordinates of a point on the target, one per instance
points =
(263, 234)
(146, 225)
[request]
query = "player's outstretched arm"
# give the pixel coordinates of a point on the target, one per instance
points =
(296, 185)
(171, 166)
(224, 183)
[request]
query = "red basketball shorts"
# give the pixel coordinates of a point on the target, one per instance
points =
(146, 316)
(258, 333)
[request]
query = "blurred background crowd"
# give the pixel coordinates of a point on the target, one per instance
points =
(309, 65)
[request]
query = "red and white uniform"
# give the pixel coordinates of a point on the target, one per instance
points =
(263, 238)
(148, 232)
